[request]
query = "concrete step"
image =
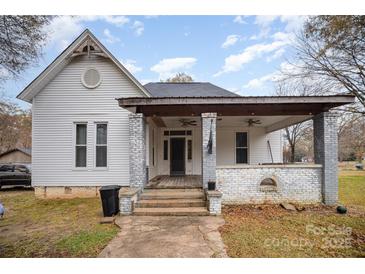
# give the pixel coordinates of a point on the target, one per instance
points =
(170, 194)
(171, 203)
(172, 211)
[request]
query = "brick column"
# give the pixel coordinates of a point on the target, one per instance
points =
(209, 122)
(137, 151)
(325, 153)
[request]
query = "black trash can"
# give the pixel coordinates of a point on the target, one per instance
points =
(110, 200)
(211, 185)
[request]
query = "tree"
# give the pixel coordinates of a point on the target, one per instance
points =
(299, 134)
(352, 137)
(15, 127)
(21, 41)
(180, 77)
(333, 48)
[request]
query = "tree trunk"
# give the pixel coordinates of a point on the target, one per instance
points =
(292, 154)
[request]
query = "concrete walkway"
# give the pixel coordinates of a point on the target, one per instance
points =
(166, 237)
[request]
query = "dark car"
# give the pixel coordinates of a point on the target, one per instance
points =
(14, 175)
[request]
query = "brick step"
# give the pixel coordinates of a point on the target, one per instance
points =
(172, 211)
(170, 203)
(168, 194)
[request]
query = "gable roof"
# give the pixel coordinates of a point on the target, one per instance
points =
(27, 151)
(191, 89)
(63, 59)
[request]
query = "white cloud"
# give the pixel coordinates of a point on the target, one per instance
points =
(293, 23)
(260, 83)
(131, 66)
(263, 83)
(265, 20)
(63, 29)
(277, 54)
(118, 21)
(235, 62)
(230, 40)
(110, 38)
(168, 67)
(146, 81)
(138, 27)
(239, 19)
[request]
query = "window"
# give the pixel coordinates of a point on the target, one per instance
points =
(190, 145)
(177, 132)
(80, 146)
(91, 78)
(165, 150)
(101, 145)
(241, 148)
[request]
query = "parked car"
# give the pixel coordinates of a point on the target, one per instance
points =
(15, 175)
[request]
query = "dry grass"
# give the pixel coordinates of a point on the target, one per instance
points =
(51, 228)
(270, 231)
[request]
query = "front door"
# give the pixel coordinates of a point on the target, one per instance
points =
(177, 151)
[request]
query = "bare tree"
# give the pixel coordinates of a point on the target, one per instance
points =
(21, 41)
(15, 126)
(352, 137)
(333, 48)
(180, 77)
(295, 86)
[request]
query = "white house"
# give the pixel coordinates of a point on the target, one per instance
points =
(164, 142)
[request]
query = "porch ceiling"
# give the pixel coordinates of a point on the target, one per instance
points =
(270, 123)
(234, 106)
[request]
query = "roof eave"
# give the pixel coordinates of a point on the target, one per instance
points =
(31, 90)
(139, 101)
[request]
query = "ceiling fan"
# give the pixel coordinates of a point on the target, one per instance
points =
(186, 122)
(251, 122)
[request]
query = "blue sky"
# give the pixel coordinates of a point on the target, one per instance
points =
(239, 53)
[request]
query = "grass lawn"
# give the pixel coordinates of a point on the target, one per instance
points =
(51, 228)
(270, 231)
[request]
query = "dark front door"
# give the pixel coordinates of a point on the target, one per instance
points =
(177, 163)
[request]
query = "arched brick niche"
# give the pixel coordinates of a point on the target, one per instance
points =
(268, 184)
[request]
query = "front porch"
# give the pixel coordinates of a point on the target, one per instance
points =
(235, 142)
(175, 182)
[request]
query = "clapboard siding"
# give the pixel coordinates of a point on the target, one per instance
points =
(258, 151)
(64, 101)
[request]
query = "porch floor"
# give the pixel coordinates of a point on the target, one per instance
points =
(166, 181)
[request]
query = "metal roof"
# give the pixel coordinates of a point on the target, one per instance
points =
(234, 106)
(27, 151)
(189, 89)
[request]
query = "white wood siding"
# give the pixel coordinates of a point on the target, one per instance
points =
(65, 101)
(258, 151)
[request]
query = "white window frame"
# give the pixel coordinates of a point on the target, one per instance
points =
(75, 145)
(107, 144)
(247, 147)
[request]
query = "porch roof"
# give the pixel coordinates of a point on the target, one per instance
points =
(234, 106)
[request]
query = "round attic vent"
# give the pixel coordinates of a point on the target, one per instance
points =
(91, 78)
